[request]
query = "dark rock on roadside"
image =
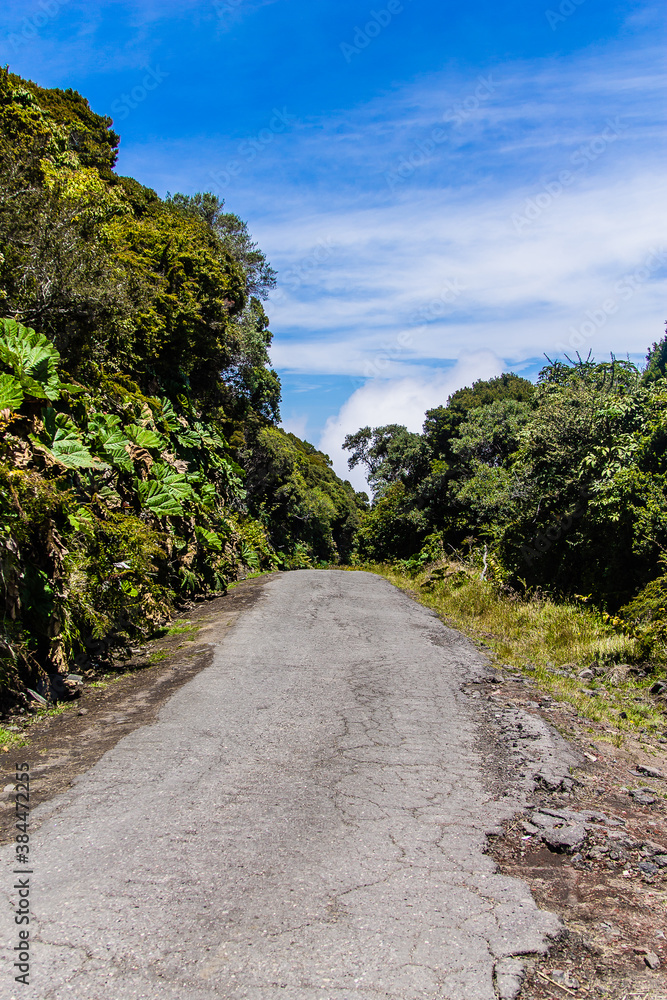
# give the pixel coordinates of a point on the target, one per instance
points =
(565, 838)
(643, 796)
(650, 772)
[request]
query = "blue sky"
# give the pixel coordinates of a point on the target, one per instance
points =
(447, 191)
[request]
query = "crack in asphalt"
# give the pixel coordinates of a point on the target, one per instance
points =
(306, 819)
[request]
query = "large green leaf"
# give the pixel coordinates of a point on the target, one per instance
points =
(32, 358)
(115, 447)
(144, 438)
(62, 441)
(157, 498)
(71, 452)
(105, 434)
(169, 415)
(210, 438)
(188, 439)
(176, 482)
(208, 539)
(11, 393)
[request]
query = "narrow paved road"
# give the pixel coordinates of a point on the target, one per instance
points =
(305, 821)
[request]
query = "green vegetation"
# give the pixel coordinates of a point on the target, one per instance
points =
(142, 465)
(554, 489)
(140, 459)
(182, 629)
(9, 740)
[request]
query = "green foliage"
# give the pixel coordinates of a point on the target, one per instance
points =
(31, 358)
(442, 422)
(293, 490)
(563, 484)
(234, 236)
(63, 442)
(391, 454)
(11, 393)
(646, 614)
(158, 498)
(89, 136)
(153, 469)
(394, 528)
(656, 362)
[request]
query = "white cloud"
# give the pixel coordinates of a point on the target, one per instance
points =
(386, 296)
(399, 401)
(295, 424)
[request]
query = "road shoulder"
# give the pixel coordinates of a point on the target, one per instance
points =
(60, 747)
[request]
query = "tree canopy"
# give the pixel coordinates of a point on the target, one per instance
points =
(564, 481)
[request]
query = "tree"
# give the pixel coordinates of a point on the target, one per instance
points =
(441, 422)
(656, 361)
(234, 238)
(391, 454)
(491, 433)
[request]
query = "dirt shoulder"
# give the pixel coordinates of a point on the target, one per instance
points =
(609, 883)
(59, 747)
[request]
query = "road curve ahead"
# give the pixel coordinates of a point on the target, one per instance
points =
(305, 821)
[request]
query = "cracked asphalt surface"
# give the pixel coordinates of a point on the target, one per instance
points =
(305, 820)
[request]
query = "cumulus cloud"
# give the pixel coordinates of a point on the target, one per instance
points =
(399, 401)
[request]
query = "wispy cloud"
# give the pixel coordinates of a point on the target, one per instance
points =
(523, 288)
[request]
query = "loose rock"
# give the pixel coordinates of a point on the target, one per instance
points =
(563, 978)
(650, 772)
(565, 838)
(642, 796)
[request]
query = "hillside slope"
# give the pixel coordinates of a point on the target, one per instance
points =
(141, 461)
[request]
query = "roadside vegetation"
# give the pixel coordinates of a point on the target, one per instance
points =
(556, 491)
(141, 461)
(534, 518)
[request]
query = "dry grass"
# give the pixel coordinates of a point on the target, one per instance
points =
(549, 641)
